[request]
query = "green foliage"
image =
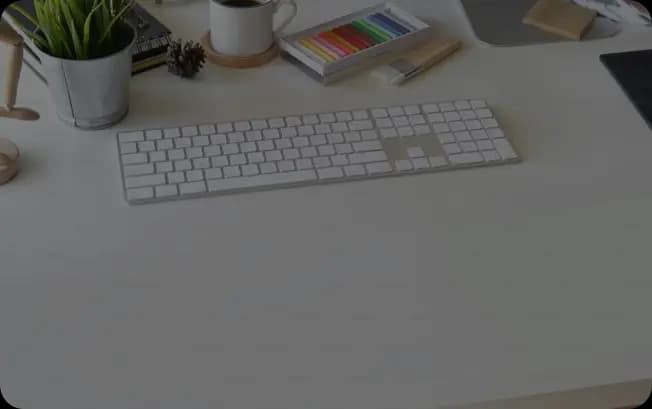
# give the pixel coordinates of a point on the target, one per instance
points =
(78, 29)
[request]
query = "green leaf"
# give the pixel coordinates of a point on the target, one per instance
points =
(76, 41)
(87, 27)
(118, 16)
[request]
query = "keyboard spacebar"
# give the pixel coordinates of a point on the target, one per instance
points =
(218, 185)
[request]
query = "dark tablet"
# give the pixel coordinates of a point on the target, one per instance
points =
(633, 71)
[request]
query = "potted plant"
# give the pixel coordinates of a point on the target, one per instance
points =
(85, 48)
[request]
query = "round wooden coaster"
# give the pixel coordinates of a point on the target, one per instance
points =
(234, 61)
(8, 160)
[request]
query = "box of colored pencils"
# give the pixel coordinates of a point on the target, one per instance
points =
(352, 42)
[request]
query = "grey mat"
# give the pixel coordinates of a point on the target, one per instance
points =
(499, 23)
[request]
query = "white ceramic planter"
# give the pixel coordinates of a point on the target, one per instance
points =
(90, 94)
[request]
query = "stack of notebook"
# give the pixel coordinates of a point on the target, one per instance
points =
(339, 46)
(149, 52)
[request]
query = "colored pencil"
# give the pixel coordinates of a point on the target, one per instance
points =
(387, 27)
(369, 31)
(336, 41)
(393, 23)
(353, 37)
(318, 50)
(330, 47)
(379, 28)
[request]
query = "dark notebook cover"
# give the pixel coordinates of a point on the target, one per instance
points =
(633, 71)
(153, 36)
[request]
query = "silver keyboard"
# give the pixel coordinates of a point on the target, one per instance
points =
(227, 157)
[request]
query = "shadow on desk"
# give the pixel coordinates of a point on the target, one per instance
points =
(630, 395)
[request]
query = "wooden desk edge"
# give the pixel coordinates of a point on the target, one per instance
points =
(626, 395)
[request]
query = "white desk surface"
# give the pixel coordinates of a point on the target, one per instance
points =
(409, 293)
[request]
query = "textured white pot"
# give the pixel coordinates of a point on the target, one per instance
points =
(91, 94)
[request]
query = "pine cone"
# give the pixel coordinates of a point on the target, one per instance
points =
(185, 60)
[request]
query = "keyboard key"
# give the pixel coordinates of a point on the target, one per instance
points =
(433, 118)
(340, 127)
(340, 160)
(201, 140)
(129, 147)
(446, 138)
(220, 161)
(213, 173)
(247, 147)
(326, 150)
(483, 113)
(477, 103)
(259, 124)
(164, 144)
(457, 126)
(446, 106)
(162, 167)
(277, 123)
(309, 152)
(327, 118)
(171, 133)
(335, 138)
(379, 113)
(469, 147)
(310, 119)
(137, 170)
(300, 141)
(218, 139)
(166, 191)
(254, 136)
(489, 123)
(378, 167)
(283, 143)
(237, 159)
(192, 188)
(132, 136)
(183, 142)
(396, 111)
(438, 161)
(367, 157)
(461, 105)
(292, 121)
(415, 152)
(495, 133)
(403, 165)
(504, 149)
(322, 162)
(286, 166)
(491, 156)
(480, 134)
(250, 170)
(242, 126)
(463, 136)
(330, 173)
(389, 133)
(262, 180)
(230, 148)
(268, 168)
(466, 158)
(256, 157)
(231, 171)
(405, 131)
(142, 181)
(417, 120)
(369, 135)
(401, 121)
(367, 146)
(273, 156)
(207, 130)
(411, 110)
(291, 154)
(194, 175)
(355, 170)
(420, 163)
(323, 129)
(225, 127)
(430, 108)
(140, 194)
(452, 148)
(422, 130)
(305, 163)
(271, 134)
(184, 164)
(201, 163)
(344, 148)
(360, 115)
(485, 145)
(441, 128)
(473, 124)
(384, 123)
(189, 131)
(344, 116)
(288, 132)
(194, 152)
(317, 140)
(352, 136)
(176, 177)
(265, 146)
(134, 158)
(154, 134)
(306, 130)
(360, 125)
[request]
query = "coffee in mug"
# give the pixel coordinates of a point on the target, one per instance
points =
(244, 28)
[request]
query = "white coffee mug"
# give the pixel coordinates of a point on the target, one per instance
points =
(242, 31)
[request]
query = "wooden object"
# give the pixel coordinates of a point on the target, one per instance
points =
(234, 61)
(561, 17)
(14, 64)
(8, 160)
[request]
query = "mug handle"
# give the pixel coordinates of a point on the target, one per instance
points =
(277, 6)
